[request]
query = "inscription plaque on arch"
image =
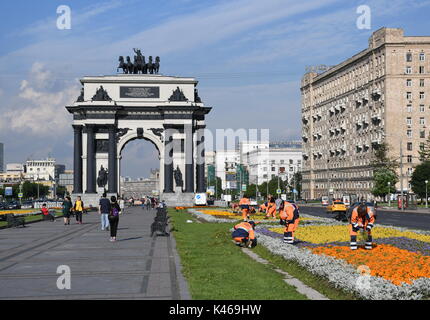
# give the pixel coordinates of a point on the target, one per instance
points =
(139, 92)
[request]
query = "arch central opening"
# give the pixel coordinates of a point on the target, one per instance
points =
(139, 169)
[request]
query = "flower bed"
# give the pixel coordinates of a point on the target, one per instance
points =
(398, 265)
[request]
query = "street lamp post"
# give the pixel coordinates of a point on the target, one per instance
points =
(426, 194)
(389, 194)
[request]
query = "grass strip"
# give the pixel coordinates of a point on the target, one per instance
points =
(316, 282)
(218, 270)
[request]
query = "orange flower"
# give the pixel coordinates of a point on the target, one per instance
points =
(389, 262)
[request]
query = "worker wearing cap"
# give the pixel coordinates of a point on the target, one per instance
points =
(362, 217)
(290, 218)
(244, 234)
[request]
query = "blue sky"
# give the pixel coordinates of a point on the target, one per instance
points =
(249, 56)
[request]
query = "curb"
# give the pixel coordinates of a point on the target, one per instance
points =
(302, 288)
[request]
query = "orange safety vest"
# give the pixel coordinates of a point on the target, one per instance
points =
(368, 219)
(290, 212)
(247, 227)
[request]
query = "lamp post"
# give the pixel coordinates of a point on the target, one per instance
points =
(389, 194)
(426, 194)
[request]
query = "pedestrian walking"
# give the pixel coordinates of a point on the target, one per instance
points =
(121, 205)
(114, 218)
(67, 208)
(104, 210)
(78, 208)
(148, 203)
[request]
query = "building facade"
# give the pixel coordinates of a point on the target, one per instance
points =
(379, 95)
(138, 188)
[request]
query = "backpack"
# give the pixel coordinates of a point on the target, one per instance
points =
(114, 212)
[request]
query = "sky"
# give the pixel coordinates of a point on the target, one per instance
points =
(248, 56)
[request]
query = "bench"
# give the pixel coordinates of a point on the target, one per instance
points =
(160, 222)
(13, 221)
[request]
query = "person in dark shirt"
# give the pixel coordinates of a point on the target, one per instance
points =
(67, 208)
(114, 218)
(104, 210)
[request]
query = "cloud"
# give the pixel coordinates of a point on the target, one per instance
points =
(38, 110)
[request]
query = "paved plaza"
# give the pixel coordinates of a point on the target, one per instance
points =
(136, 266)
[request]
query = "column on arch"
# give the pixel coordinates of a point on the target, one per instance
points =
(200, 159)
(77, 159)
(168, 159)
(112, 161)
(91, 159)
(189, 158)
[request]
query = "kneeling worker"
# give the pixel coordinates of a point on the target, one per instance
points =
(244, 234)
(362, 217)
(290, 218)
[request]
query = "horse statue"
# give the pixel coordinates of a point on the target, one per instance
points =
(122, 65)
(157, 64)
(130, 66)
(150, 65)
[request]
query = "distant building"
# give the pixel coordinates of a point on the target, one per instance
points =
(46, 170)
(140, 187)
(14, 173)
(65, 179)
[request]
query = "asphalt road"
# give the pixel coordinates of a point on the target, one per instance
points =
(395, 218)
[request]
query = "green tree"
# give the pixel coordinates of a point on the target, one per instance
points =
(419, 176)
(381, 158)
(381, 177)
(424, 151)
(250, 191)
(296, 182)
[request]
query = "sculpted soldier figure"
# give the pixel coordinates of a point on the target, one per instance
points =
(178, 177)
(102, 178)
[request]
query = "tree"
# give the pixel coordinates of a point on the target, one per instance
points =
(250, 191)
(296, 183)
(419, 176)
(381, 177)
(425, 151)
(381, 158)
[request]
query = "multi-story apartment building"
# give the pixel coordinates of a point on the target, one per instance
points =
(379, 95)
(43, 169)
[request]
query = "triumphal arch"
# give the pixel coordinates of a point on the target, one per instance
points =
(139, 103)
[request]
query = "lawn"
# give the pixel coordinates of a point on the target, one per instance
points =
(216, 269)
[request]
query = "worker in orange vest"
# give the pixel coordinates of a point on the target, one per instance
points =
(290, 218)
(271, 209)
(244, 204)
(362, 217)
(244, 234)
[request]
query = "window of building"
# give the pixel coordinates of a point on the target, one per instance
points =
(422, 82)
(409, 82)
(422, 145)
(410, 171)
(409, 159)
(273, 161)
(422, 121)
(408, 70)
(422, 108)
(422, 69)
(409, 133)
(422, 95)
(409, 120)
(291, 161)
(409, 95)
(409, 108)
(273, 168)
(422, 134)
(409, 146)
(264, 168)
(409, 57)
(422, 56)
(282, 161)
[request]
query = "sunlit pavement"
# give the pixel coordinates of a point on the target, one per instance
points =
(136, 266)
